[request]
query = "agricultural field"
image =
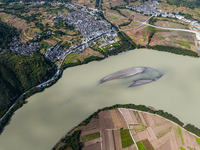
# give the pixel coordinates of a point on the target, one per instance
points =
(73, 58)
(168, 24)
(174, 38)
(128, 13)
(116, 18)
(107, 4)
(131, 25)
(114, 129)
(140, 35)
(88, 3)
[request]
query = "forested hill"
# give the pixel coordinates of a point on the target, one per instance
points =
(19, 73)
(187, 3)
(6, 32)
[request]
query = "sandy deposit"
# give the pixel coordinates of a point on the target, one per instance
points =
(143, 75)
(123, 74)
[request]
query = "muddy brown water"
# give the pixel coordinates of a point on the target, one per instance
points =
(47, 116)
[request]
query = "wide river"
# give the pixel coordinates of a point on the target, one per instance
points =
(47, 116)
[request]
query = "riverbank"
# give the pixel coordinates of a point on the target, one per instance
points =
(138, 118)
(50, 113)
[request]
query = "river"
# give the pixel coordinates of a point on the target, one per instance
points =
(47, 116)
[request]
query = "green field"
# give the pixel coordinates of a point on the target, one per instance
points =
(180, 133)
(126, 138)
(91, 137)
(198, 140)
(140, 146)
(163, 132)
(181, 148)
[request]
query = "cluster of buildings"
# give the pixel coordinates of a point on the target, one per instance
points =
(22, 48)
(54, 53)
(82, 19)
(147, 9)
(88, 24)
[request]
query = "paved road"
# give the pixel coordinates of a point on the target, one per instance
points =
(143, 23)
(48, 81)
(186, 30)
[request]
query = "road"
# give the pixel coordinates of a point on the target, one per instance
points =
(50, 80)
(143, 23)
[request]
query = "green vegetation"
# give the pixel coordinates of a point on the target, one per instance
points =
(192, 129)
(18, 74)
(126, 138)
(181, 148)
(140, 146)
(180, 133)
(198, 140)
(71, 141)
(78, 62)
(7, 33)
(191, 148)
(137, 107)
(175, 50)
(163, 132)
(139, 127)
(91, 137)
(187, 3)
(126, 43)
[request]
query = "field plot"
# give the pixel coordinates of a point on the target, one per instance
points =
(174, 38)
(73, 58)
(128, 13)
(90, 3)
(139, 17)
(156, 133)
(106, 4)
(140, 36)
(168, 24)
(131, 25)
(117, 2)
(106, 131)
(115, 17)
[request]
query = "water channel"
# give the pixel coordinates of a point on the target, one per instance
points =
(47, 116)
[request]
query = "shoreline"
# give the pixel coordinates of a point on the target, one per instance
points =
(123, 106)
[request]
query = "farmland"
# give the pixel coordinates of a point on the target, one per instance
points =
(115, 128)
(116, 18)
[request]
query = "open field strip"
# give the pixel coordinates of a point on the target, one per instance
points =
(129, 130)
(169, 121)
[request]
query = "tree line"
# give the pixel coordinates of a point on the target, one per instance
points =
(175, 50)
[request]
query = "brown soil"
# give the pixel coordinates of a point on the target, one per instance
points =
(105, 120)
(96, 146)
(115, 119)
(127, 116)
(107, 140)
(117, 139)
(91, 142)
(139, 17)
(166, 146)
(147, 144)
(89, 52)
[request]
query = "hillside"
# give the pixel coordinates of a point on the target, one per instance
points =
(187, 3)
(18, 74)
(6, 32)
(128, 129)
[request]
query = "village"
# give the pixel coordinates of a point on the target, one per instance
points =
(93, 28)
(89, 25)
(152, 10)
(22, 48)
